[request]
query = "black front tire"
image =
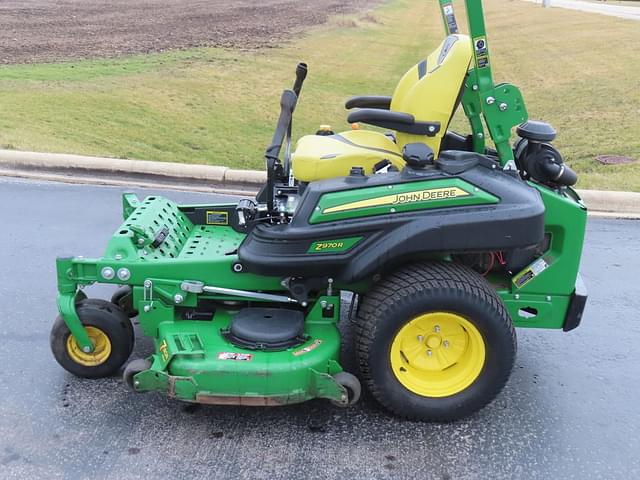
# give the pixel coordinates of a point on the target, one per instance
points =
(123, 298)
(417, 290)
(107, 320)
(115, 310)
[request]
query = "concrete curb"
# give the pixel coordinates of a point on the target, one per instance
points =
(79, 169)
(70, 164)
(625, 203)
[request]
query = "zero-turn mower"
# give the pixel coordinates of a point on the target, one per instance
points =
(446, 242)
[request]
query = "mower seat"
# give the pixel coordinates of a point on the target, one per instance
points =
(419, 111)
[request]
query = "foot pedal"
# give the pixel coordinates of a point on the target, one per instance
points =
(266, 329)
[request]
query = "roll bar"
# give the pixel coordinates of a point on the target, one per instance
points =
(500, 106)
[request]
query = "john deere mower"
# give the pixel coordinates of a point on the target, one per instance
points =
(436, 244)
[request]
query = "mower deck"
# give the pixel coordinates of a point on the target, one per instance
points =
(195, 360)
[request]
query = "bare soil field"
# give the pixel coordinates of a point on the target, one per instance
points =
(50, 30)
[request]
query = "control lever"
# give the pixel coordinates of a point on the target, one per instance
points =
(301, 74)
(288, 102)
(246, 210)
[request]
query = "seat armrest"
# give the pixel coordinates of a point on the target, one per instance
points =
(368, 101)
(401, 122)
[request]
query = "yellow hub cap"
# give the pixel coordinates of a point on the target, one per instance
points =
(437, 354)
(101, 348)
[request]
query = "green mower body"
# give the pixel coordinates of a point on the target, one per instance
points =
(243, 300)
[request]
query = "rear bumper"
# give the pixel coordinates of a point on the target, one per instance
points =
(576, 306)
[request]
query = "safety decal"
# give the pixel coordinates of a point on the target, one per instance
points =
(217, 218)
(164, 350)
(531, 272)
(316, 343)
(450, 18)
(242, 357)
(482, 53)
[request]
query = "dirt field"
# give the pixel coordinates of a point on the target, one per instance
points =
(49, 30)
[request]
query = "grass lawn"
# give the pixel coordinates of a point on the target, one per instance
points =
(579, 71)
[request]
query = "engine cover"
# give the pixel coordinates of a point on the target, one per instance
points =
(349, 228)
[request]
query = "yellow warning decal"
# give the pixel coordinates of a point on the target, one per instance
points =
(531, 272)
(403, 198)
(217, 218)
(164, 350)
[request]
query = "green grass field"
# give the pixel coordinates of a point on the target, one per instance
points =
(578, 71)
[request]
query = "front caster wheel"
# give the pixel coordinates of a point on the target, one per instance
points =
(110, 332)
(132, 369)
(114, 309)
(434, 342)
(352, 386)
(123, 298)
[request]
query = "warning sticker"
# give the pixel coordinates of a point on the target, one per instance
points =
(529, 273)
(450, 18)
(241, 357)
(308, 348)
(164, 350)
(217, 218)
(481, 52)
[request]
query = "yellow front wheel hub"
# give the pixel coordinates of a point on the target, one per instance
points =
(101, 348)
(437, 354)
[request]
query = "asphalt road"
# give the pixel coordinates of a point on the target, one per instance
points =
(621, 11)
(570, 410)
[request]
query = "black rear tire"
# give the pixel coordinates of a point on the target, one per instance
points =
(106, 319)
(420, 289)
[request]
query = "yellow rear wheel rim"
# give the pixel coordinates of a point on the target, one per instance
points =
(101, 348)
(437, 354)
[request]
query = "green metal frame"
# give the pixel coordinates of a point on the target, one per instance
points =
(501, 106)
